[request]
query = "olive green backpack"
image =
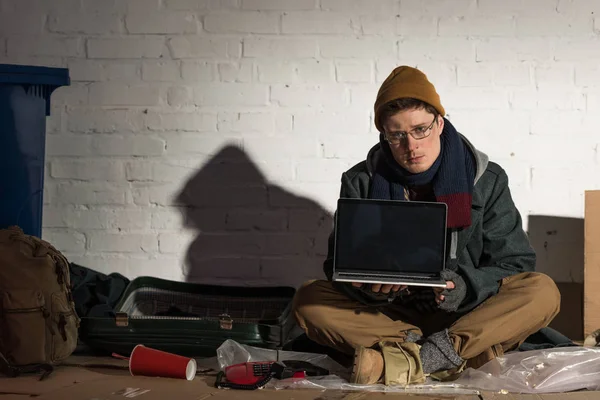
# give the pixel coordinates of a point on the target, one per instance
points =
(38, 322)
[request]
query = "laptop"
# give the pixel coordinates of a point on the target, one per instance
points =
(390, 242)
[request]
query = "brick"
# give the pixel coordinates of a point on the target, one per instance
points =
(280, 48)
(578, 7)
(107, 170)
(91, 193)
(163, 22)
(164, 71)
(354, 71)
(517, 7)
(442, 8)
(134, 48)
(280, 148)
(320, 170)
(246, 122)
(273, 273)
(592, 101)
(198, 47)
(554, 25)
(303, 195)
(123, 243)
(55, 121)
(167, 219)
(86, 70)
(190, 122)
(242, 71)
(554, 74)
(280, 244)
(477, 26)
(488, 74)
(284, 5)
(156, 171)
(280, 172)
(230, 244)
(257, 220)
(242, 22)
(231, 94)
(579, 49)
(68, 145)
(119, 71)
(276, 71)
(385, 7)
(146, 193)
(174, 242)
(316, 22)
(426, 26)
(200, 4)
(30, 22)
(309, 96)
(238, 270)
(477, 98)
(440, 49)
(210, 220)
(182, 144)
(88, 120)
(315, 71)
(548, 98)
(363, 95)
(224, 196)
(357, 48)
(478, 74)
(44, 46)
(512, 75)
(514, 50)
(85, 23)
(65, 240)
(382, 25)
(75, 94)
(180, 96)
(337, 145)
(110, 145)
(198, 71)
(114, 94)
(347, 122)
(133, 5)
(560, 123)
(310, 219)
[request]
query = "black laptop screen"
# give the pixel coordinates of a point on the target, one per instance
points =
(390, 236)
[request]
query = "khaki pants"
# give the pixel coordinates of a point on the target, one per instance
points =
(524, 304)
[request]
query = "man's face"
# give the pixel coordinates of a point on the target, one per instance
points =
(414, 155)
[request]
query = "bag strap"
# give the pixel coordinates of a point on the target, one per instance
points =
(12, 372)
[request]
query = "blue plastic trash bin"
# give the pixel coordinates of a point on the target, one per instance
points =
(24, 104)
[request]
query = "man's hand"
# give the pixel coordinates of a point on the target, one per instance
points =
(439, 297)
(378, 287)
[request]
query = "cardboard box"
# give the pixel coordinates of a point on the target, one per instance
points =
(591, 292)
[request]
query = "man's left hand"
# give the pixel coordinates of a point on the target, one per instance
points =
(439, 297)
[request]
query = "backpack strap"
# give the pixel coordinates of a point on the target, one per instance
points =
(12, 371)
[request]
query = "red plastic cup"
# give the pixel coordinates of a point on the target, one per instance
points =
(145, 361)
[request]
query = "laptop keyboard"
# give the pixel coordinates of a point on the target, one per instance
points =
(388, 277)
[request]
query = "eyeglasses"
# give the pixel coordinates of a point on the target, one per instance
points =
(417, 133)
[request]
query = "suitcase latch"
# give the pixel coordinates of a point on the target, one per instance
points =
(122, 319)
(225, 322)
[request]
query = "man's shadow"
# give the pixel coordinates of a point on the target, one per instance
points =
(250, 232)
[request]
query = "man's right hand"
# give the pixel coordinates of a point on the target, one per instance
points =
(378, 287)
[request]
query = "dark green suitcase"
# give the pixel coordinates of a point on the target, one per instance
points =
(192, 319)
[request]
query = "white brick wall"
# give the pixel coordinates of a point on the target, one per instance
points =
(205, 138)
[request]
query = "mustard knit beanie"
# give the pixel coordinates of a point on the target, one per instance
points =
(406, 81)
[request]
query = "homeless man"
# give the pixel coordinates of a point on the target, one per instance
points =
(493, 300)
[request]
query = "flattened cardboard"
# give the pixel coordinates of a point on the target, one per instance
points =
(591, 294)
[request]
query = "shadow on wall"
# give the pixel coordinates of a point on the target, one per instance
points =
(559, 245)
(250, 231)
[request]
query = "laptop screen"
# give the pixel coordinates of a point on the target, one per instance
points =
(390, 236)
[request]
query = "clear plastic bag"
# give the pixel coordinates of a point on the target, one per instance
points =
(538, 371)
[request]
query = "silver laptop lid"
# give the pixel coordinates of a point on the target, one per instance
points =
(388, 236)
